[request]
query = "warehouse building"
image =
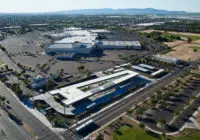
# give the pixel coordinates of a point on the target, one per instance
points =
(121, 45)
(140, 69)
(69, 47)
(147, 66)
(166, 59)
(70, 51)
(76, 42)
(158, 73)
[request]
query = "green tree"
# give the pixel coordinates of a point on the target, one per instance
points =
(189, 40)
(81, 68)
(16, 88)
(2, 100)
(6, 67)
(142, 125)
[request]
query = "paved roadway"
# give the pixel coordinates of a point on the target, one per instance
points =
(35, 126)
(9, 130)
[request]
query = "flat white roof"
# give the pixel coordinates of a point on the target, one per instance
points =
(121, 43)
(150, 24)
(158, 72)
(73, 94)
(147, 66)
(72, 29)
(68, 46)
(99, 31)
(81, 39)
(124, 65)
(166, 57)
(140, 68)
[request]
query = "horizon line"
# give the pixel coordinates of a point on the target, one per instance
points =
(39, 12)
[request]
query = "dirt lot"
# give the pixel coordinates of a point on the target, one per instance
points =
(184, 52)
(181, 49)
(171, 32)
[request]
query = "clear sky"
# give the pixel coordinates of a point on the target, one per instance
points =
(57, 5)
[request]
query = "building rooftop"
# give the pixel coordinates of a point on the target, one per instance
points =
(37, 78)
(81, 39)
(147, 66)
(73, 93)
(99, 31)
(72, 29)
(140, 68)
(70, 32)
(121, 43)
(69, 46)
(166, 57)
(158, 72)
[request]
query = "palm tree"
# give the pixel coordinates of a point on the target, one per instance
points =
(81, 68)
(2, 100)
(61, 71)
(189, 40)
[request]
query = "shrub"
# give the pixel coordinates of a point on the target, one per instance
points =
(142, 125)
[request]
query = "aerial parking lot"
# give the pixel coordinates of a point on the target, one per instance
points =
(28, 50)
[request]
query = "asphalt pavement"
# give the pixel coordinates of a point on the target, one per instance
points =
(37, 128)
(9, 130)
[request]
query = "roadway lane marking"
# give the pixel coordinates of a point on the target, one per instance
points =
(29, 129)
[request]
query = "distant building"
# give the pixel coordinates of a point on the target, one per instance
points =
(147, 66)
(70, 51)
(140, 69)
(167, 59)
(69, 47)
(38, 81)
(121, 45)
(72, 32)
(76, 42)
(157, 73)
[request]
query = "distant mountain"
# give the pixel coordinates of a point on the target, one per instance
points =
(108, 11)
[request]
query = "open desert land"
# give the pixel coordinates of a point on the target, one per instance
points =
(171, 32)
(186, 51)
(181, 49)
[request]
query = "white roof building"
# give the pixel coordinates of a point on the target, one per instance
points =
(75, 93)
(157, 72)
(71, 32)
(81, 39)
(99, 31)
(121, 45)
(166, 59)
(147, 66)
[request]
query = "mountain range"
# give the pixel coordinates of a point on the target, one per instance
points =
(108, 11)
